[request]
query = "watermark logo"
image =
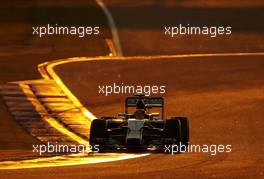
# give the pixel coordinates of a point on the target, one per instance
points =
(212, 31)
(131, 89)
(211, 149)
(62, 148)
(80, 31)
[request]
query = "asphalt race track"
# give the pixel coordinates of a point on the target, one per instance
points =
(223, 105)
(222, 96)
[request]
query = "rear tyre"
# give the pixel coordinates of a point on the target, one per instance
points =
(98, 133)
(184, 130)
(172, 131)
(184, 133)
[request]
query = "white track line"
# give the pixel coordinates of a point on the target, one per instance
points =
(113, 27)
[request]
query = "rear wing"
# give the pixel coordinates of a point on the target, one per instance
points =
(149, 102)
(153, 102)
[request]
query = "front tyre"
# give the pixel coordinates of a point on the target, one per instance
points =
(98, 133)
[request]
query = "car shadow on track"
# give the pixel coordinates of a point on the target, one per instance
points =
(138, 151)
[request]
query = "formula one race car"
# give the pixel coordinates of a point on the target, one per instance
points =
(141, 129)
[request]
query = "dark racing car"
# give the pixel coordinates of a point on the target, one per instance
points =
(140, 129)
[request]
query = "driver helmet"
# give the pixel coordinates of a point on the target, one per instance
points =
(141, 105)
(140, 114)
